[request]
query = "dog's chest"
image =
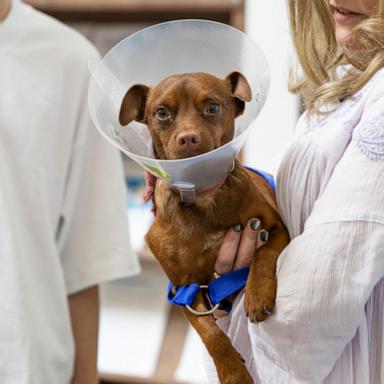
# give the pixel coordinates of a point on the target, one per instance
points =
(186, 240)
(186, 251)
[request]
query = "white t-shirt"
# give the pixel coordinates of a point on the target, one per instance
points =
(63, 221)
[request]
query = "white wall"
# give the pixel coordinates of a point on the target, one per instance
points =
(267, 23)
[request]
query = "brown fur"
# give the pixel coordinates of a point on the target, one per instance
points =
(186, 238)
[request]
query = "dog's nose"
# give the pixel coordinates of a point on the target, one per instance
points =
(188, 140)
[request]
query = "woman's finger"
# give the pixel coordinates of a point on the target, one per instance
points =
(227, 252)
(248, 244)
(262, 238)
(150, 182)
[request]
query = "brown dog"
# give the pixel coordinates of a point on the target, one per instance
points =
(187, 115)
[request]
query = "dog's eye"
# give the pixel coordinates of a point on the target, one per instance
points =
(162, 113)
(212, 108)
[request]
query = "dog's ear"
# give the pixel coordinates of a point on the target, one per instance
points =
(133, 104)
(240, 89)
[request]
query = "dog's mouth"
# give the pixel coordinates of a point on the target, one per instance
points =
(189, 144)
(185, 154)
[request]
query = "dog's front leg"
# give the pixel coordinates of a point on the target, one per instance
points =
(229, 364)
(260, 290)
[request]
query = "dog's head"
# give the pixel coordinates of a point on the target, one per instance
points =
(187, 114)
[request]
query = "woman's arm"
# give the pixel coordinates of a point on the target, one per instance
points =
(84, 311)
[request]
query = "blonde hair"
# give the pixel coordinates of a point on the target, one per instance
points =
(312, 29)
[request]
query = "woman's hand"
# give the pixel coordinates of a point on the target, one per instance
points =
(150, 182)
(237, 250)
(239, 246)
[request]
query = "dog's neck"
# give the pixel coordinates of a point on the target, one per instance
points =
(189, 197)
(209, 205)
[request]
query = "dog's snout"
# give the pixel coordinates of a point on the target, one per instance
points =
(188, 140)
(188, 143)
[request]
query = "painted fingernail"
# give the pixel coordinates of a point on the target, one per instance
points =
(264, 235)
(237, 227)
(255, 224)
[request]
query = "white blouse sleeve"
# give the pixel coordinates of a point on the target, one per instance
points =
(325, 275)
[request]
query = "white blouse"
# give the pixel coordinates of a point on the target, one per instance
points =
(328, 322)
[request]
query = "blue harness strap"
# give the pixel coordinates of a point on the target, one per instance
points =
(266, 176)
(226, 285)
(218, 290)
(185, 295)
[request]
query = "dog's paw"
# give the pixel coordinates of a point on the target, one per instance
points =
(259, 299)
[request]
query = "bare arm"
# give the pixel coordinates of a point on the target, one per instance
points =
(5, 6)
(84, 311)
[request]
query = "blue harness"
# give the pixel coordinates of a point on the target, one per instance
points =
(219, 289)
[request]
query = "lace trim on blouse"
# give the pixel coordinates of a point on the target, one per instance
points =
(369, 136)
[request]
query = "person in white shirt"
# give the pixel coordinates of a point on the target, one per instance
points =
(63, 219)
(328, 322)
